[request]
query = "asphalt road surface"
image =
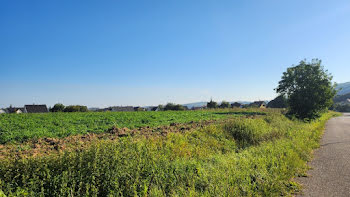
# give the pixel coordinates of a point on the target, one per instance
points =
(330, 173)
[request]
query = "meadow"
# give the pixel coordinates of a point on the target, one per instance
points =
(247, 155)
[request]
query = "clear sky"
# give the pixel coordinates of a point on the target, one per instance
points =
(102, 53)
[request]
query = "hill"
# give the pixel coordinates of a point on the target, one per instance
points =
(197, 104)
(342, 98)
(344, 88)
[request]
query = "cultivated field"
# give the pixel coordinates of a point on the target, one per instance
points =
(19, 127)
(243, 152)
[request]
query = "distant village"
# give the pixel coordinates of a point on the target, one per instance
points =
(42, 108)
(26, 109)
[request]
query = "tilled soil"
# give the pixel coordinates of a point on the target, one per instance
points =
(46, 146)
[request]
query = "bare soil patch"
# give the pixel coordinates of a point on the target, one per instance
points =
(46, 146)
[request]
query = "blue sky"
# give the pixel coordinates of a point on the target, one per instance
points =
(102, 53)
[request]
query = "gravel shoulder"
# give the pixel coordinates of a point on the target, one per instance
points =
(330, 173)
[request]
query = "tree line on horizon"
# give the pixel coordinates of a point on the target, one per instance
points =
(306, 90)
(59, 107)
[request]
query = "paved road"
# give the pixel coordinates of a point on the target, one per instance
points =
(330, 175)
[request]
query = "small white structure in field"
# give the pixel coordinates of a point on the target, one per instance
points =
(15, 110)
(19, 111)
(3, 111)
(153, 108)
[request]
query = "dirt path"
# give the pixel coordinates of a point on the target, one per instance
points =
(330, 174)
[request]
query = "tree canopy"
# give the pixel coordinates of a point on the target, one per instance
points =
(76, 108)
(212, 104)
(225, 104)
(308, 88)
(57, 108)
(174, 107)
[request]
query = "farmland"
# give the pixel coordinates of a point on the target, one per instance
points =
(243, 152)
(20, 127)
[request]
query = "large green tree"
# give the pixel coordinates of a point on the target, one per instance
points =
(308, 88)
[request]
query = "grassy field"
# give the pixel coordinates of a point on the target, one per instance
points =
(244, 156)
(20, 127)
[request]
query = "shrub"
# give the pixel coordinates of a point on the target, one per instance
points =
(58, 108)
(249, 132)
(224, 104)
(212, 104)
(174, 107)
(76, 108)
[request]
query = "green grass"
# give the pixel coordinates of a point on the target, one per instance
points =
(246, 157)
(20, 127)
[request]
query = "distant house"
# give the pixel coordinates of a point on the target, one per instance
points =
(258, 104)
(3, 111)
(15, 110)
(153, 108)
(126, 108)
(139, 109)
(198, 108)
(94, 109)
(348, 100)
(35, 109)
(236, 104)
